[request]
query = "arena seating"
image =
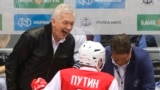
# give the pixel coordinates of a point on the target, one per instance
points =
(155, 56)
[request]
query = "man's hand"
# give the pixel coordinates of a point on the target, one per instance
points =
(38, 84)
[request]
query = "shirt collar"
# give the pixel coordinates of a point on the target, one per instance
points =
(125, 65)
(61, 41)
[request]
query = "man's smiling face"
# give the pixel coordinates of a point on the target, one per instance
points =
(62, 25)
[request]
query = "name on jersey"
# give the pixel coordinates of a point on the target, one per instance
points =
(85, 81)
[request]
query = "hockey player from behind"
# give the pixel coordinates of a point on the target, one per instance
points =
(88, 76)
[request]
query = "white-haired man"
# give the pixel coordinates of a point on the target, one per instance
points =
(42, 51)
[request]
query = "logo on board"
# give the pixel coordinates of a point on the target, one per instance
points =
(85, 21)
(100, 4)
(23, 22)
(148, 22)
(148, 2)
(37, 3)
(89, 22)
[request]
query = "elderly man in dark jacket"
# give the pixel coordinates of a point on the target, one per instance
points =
(42, 51)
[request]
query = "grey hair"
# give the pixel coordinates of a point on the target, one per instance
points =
(62, 8)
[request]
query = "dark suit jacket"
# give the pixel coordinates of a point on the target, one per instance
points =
(139, 72)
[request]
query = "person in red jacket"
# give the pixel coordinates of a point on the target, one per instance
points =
(88, 76)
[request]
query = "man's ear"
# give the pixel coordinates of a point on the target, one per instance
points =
(53, 21)
(100, 64)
